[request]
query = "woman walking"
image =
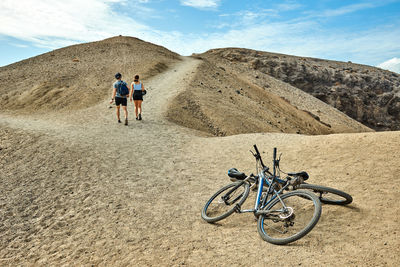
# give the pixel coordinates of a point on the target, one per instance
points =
(137, 89)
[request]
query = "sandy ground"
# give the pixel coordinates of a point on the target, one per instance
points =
(80, 189)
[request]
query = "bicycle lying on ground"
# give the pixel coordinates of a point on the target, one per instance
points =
(281, 217)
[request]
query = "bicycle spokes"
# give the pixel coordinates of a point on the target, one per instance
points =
(288, 217)
(231, 198)
(224, 202)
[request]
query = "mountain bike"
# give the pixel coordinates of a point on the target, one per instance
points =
(282, 218)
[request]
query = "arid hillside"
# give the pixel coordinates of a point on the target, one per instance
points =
(77, 188)
(220, 100)
(78, 76)
(367, 94)
(224, 99)
(221, 103)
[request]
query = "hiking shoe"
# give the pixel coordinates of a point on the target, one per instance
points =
(119, 121)
(126, 121)
(140, 116)
(137, 118)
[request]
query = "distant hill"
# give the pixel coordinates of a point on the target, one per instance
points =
(367, 94)
(224, 97)
(78, 76)
(222, 100)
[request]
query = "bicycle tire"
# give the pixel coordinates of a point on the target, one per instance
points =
(330, 194)
(299, 202)
(238, 200)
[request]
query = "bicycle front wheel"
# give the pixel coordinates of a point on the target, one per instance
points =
(328, 195)
(289, 218)
(223, 202)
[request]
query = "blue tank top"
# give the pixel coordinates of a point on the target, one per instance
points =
(137, 87)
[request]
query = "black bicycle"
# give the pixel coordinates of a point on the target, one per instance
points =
(281, 217)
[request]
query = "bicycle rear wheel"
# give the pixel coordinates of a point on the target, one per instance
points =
(223, 202)
(282, 225)
(328, 195)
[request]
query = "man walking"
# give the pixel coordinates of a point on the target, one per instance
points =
(120, 93)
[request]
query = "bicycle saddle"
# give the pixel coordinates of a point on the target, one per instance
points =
(234, 173)
(303, 174)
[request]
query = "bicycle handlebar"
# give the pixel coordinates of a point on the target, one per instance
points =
(258, 156)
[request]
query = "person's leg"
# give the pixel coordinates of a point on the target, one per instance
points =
(136, 107)
(118, 117)
(117, 104)
(125, 113)
(124, 108)
(140, 106)
(140, 109)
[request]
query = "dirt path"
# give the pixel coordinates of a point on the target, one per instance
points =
(81, 189)
(102, 164)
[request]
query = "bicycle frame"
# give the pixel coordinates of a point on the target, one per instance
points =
(263, 180)
(260, 203)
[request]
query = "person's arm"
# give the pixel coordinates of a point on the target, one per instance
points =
(113, 95)
(131, 94)
(142, 87)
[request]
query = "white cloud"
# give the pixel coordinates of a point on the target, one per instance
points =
(244, 18)
(53, 23)
(288, 6)
(340, 11)
(343, 10)
(20, 45)
(201, 3)
(346, 9)
(392, 65)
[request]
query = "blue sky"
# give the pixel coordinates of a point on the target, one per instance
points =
(361, 31)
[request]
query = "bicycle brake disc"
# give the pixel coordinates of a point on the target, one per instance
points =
(287, 214)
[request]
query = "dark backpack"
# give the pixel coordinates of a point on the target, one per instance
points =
(122, 89)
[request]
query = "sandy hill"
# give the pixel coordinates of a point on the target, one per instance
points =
(77, 188)
(367, 94)
(78, 76)
(225, 99)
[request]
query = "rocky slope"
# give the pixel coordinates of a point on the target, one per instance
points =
(367, 94)
(227, 99)
(220, 103)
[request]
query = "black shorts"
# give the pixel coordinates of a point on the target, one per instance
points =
(120, 101)
(137, 95)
